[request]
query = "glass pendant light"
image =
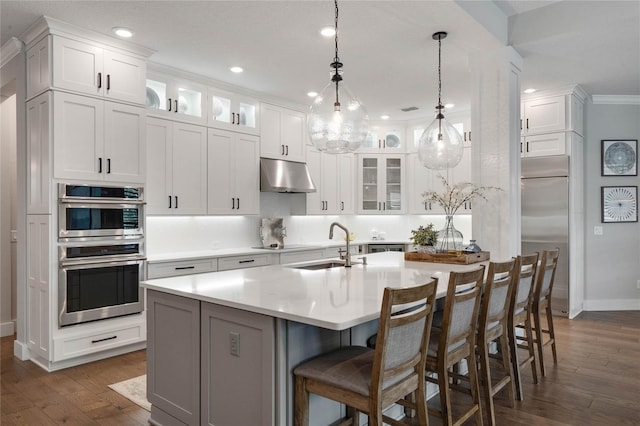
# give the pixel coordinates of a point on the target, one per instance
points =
(337, 122)
(440, 146)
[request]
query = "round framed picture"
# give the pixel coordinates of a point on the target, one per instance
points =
(619, 204)
(620, 157)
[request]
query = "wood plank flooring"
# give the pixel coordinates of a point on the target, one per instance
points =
(596, 382)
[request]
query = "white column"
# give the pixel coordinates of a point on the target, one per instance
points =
(495, 126)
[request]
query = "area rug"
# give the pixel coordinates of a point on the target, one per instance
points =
(135, 390)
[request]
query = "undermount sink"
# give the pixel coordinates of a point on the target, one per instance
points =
(323, 265)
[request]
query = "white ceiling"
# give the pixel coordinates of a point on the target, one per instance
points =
(390, 59)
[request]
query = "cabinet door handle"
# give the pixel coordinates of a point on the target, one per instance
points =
(169, 104)
(384, 205)
(527, 124)
(282, 146)
(108, 81)
(233, 118)
(286, 149)
(180, 268)
(527, 146)
(520, 147)
(175, 104)
(469, 135)
(109, 165)
(425, 206)
(169, 201)
(104, 340)
(233, 203)
(521, 124)
(238, 200)
(99, 164)
(176, 197)
(341, 205)
(247, 261)
(99, 80)
(465, 136)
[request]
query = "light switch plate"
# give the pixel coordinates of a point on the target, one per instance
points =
(597, 230)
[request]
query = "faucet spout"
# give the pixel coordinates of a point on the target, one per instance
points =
(347, 255)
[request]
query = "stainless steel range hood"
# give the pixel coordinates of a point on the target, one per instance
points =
(284, 176)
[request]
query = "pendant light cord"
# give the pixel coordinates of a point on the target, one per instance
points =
(336, 62)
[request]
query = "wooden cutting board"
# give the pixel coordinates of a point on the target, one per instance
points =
(452, 257)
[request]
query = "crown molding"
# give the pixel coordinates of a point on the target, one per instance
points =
(615, 99)
(573, 89)
(10, 50)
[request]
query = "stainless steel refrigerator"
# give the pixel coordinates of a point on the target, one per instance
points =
(545, 217)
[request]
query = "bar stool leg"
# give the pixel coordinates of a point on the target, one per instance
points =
(552, 335)
(538, 327)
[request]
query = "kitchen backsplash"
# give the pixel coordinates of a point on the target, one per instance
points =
(167, 234)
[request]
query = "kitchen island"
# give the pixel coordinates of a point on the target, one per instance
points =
(221, 345)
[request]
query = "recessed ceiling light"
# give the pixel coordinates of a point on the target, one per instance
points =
(122, 32)
(384, 117)
(312, 94)
(449, 106)
(236, 70)
(328, 31)
(531, 90)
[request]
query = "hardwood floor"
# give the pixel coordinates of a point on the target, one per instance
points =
(596, 382)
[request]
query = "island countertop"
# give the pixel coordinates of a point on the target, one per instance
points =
(335, 298)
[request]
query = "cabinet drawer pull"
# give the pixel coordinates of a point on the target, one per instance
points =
(108, 81)
(180, 268)
(247, 261)
(104, 340)
(108, 165)
(169, 104)
(99, 80)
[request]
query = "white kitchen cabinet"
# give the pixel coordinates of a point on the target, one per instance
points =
(175, 268)
(98, 140)
(231, 111)
(543, 115)
(387, 137)
(177, 168)
(39, 184)
(282, 133)
(333, 176)
(547, 144)
(175, 98)
(92, 69)
(39, 281)
(381, 183)
(233, 173)
(38, 67)
(247, 261)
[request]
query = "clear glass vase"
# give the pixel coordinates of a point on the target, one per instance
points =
(449, 238)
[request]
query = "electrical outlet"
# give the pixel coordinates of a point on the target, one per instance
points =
(597, 230)
(234, 340)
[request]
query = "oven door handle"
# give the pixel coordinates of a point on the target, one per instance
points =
(98, 201)
(112, 261)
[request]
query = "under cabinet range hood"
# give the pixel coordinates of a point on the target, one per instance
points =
(284, 176)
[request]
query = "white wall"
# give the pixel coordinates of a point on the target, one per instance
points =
(196, 233)
(7, 211)
(612, 259)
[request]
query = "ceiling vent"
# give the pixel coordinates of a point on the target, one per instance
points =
(408, 109)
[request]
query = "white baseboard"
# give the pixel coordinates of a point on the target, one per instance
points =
(20, 350)
(612, 305)
(7, 328)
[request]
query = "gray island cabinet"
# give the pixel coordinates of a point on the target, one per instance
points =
(221, 346)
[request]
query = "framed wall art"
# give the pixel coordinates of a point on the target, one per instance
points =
(619, 204)
(620, 157)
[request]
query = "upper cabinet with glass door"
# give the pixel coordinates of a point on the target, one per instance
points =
(175, 98)
(232, 112)
(385, 138)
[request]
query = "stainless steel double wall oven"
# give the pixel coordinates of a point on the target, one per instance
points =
(101, 252)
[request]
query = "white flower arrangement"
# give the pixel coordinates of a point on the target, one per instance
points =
(455, 196)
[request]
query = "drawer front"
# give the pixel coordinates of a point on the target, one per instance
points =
(240, 262)
(301, 256)
(71, 347)
(182, 267)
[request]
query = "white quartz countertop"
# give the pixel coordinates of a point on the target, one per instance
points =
(202, 254)
(336, 298)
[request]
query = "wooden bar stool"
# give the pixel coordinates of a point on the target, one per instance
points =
(542, 303)
(520, 318)
(369, 380)
(493, 327)
(455, 341)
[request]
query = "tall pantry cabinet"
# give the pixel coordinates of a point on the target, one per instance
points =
(85, 124)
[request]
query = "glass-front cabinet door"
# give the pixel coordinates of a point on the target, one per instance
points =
(381, 184)
(232, 112)
(176, 98)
